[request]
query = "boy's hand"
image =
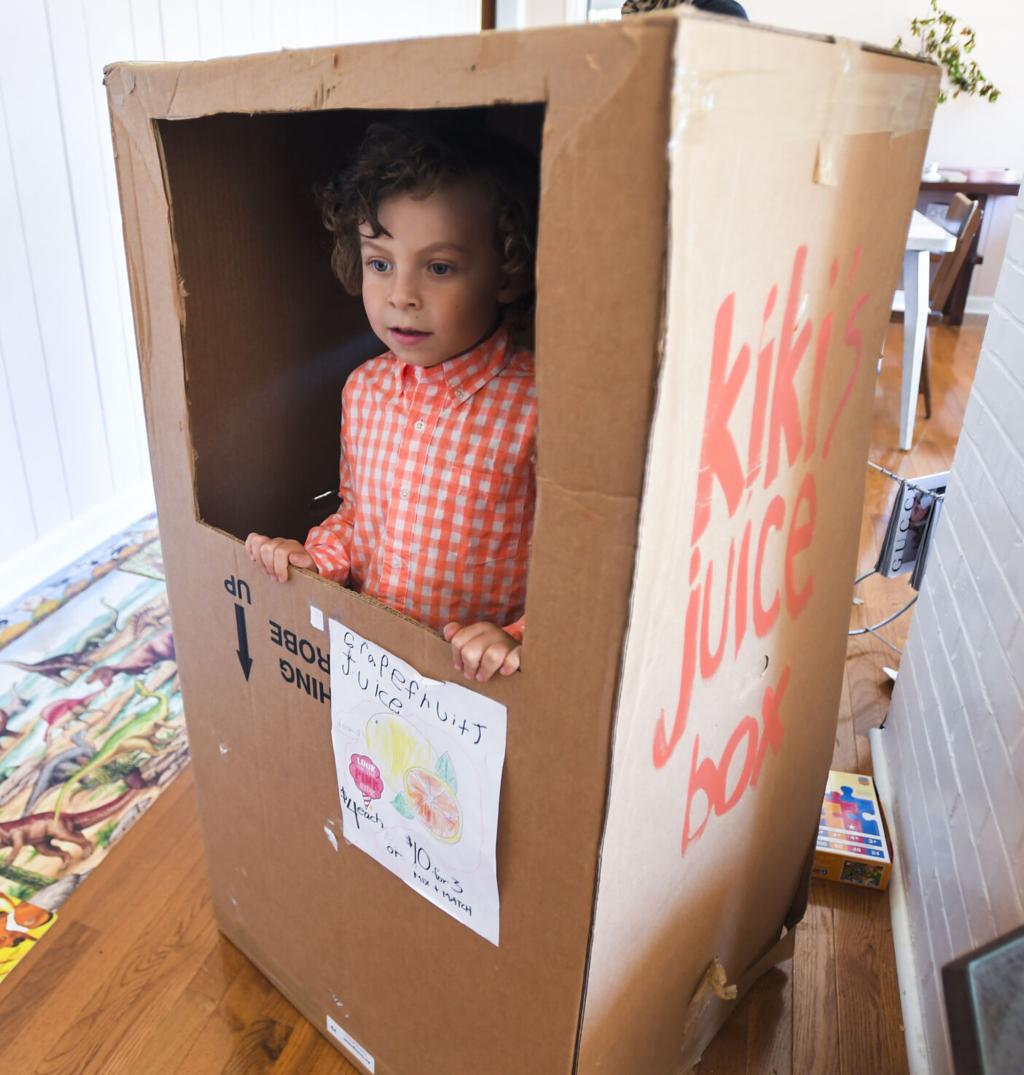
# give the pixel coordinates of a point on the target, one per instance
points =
(481, 649)
(275, 554)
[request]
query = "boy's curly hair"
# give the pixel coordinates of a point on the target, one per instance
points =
(398, 158)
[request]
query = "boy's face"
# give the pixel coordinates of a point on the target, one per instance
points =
(432, 282)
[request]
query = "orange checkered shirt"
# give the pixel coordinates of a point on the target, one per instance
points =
(437, 486)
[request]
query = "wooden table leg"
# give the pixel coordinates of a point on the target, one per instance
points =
(915, 324)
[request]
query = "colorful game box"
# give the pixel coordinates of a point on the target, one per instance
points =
(852, 845)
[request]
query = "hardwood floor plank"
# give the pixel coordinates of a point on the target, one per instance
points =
(164, 1047)
(117, 903)
(309, 1053)
(216, 1042)
(870, 1039)
(769, 1034)
(727, 1053)
(262, 1041)
(137, 989)
(23, 995)
(140, 999)
(815, 1011)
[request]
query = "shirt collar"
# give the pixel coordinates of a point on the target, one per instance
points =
(464, 374)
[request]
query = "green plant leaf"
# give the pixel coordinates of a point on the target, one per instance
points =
(399, 803)
(941, 38)
(446, 771)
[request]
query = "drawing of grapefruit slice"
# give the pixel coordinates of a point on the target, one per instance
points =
(396, 746)
(434, 803)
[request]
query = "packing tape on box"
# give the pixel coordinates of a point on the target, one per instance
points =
(829, 144)
(839, 102)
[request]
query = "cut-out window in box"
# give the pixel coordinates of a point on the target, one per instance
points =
(269, 334)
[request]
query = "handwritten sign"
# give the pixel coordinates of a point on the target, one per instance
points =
(419, 773)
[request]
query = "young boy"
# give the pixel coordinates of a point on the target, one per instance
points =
(438, 433)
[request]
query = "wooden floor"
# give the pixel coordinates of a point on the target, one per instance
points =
(135, 978)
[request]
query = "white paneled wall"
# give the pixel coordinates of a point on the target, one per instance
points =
(74, 465)
(950, 761)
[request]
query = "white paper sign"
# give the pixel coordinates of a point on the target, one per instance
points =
(419, 772)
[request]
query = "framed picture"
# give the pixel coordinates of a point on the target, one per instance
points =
(984, 1009)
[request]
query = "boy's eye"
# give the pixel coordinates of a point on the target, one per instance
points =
(439, 268)
(378, 264)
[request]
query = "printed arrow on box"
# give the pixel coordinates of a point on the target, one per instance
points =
(243, 641)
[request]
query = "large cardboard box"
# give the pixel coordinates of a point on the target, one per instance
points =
(723, 210)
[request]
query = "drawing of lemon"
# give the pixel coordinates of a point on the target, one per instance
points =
(395, 745)
(434, 803)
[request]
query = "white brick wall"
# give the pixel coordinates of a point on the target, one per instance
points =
(951, 758)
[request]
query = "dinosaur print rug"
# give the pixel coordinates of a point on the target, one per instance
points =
(91, 725)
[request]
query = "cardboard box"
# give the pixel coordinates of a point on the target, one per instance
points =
(852, 845)
(723, 212)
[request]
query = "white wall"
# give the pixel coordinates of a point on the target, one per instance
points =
(74, 465)
(966, 131)
(950, 761)
(521, 14)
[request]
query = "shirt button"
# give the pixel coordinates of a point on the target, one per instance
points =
(460, 393)
(419, 426)
(396, 563)
(404, 492)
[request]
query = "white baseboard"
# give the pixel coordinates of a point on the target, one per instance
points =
(910, 995)
(29, 567)
(979, 304)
